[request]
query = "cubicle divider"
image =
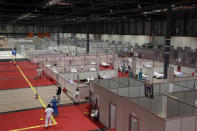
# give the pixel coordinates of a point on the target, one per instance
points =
(147, 120)
(63, 79)
(187, 123)
(163, 112)
(129, 87)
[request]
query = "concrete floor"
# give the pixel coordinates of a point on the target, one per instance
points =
(24, 98)
(6, 55)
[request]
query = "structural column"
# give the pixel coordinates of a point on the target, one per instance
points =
(88, 41)
(167, 41)
(87, 33)
(58, 39)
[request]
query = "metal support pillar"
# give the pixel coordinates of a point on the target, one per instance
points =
(58, 39)
(87, 46)
(88, 41)
(167, 41)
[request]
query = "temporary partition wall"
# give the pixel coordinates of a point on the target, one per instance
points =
(124, 110)
(181, 124)
(57, 56)
(187, 115)
(88, 74)
(157, 114)
(129, 87)
(61, 80)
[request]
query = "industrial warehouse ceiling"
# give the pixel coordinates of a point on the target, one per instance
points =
(73, 11)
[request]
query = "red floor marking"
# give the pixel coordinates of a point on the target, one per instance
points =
(19, 63)
(19, 81)
(120, 74)
(20, 119)
(70, 118)
(106, 68)
(4, 75)
(13, 83)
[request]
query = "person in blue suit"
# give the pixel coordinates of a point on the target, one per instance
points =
(54, 106)
(140, 74)
(12, 52)
(130, 73)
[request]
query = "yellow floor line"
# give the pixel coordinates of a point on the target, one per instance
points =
(32, 127)
(41, 101)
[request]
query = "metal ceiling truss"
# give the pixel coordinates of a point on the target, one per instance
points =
(78, 11)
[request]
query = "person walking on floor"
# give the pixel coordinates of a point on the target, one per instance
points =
(140, 74)
(129, 67)
(39, 72)
(123, 69)
(59, 91)
(54, 106)
(77, 97)
(130, 73)
(81, 68)
(48, 112)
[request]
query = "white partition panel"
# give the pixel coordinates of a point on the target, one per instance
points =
(164, 88)
(134, 92)
(188, 123)
(173, 125)
(181, 124)
(114, 91)
(156, 88)
(141, 91)
(190, 84)
(123, 91)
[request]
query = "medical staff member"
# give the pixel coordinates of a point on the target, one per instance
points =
(48, 112)
(77, 97)
(140, 74)
(59, 91)
(130, 73)
(39, 72)
(54, 106)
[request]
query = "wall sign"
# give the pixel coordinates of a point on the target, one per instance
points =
(148, 90)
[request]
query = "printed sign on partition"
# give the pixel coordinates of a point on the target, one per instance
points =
(148, 90)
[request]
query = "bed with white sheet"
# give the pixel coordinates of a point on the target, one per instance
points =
(130, 60)
(144, 76)
(178, 74)
(72, 82)
(104, 64)
(92, 69)
(73, 70)
(93, 63)
(158, 75)
(106, 77)
(90, 79)
(48, 65)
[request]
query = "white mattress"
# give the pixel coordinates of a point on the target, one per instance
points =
(73, 70)
(130, 60)
(48, 65)
(158, 75)
(144, 76)
(106, 77)
(104, 64)
(72, 82)
(90, 79)
(92, 69)
(93, 63)
(178, 74)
